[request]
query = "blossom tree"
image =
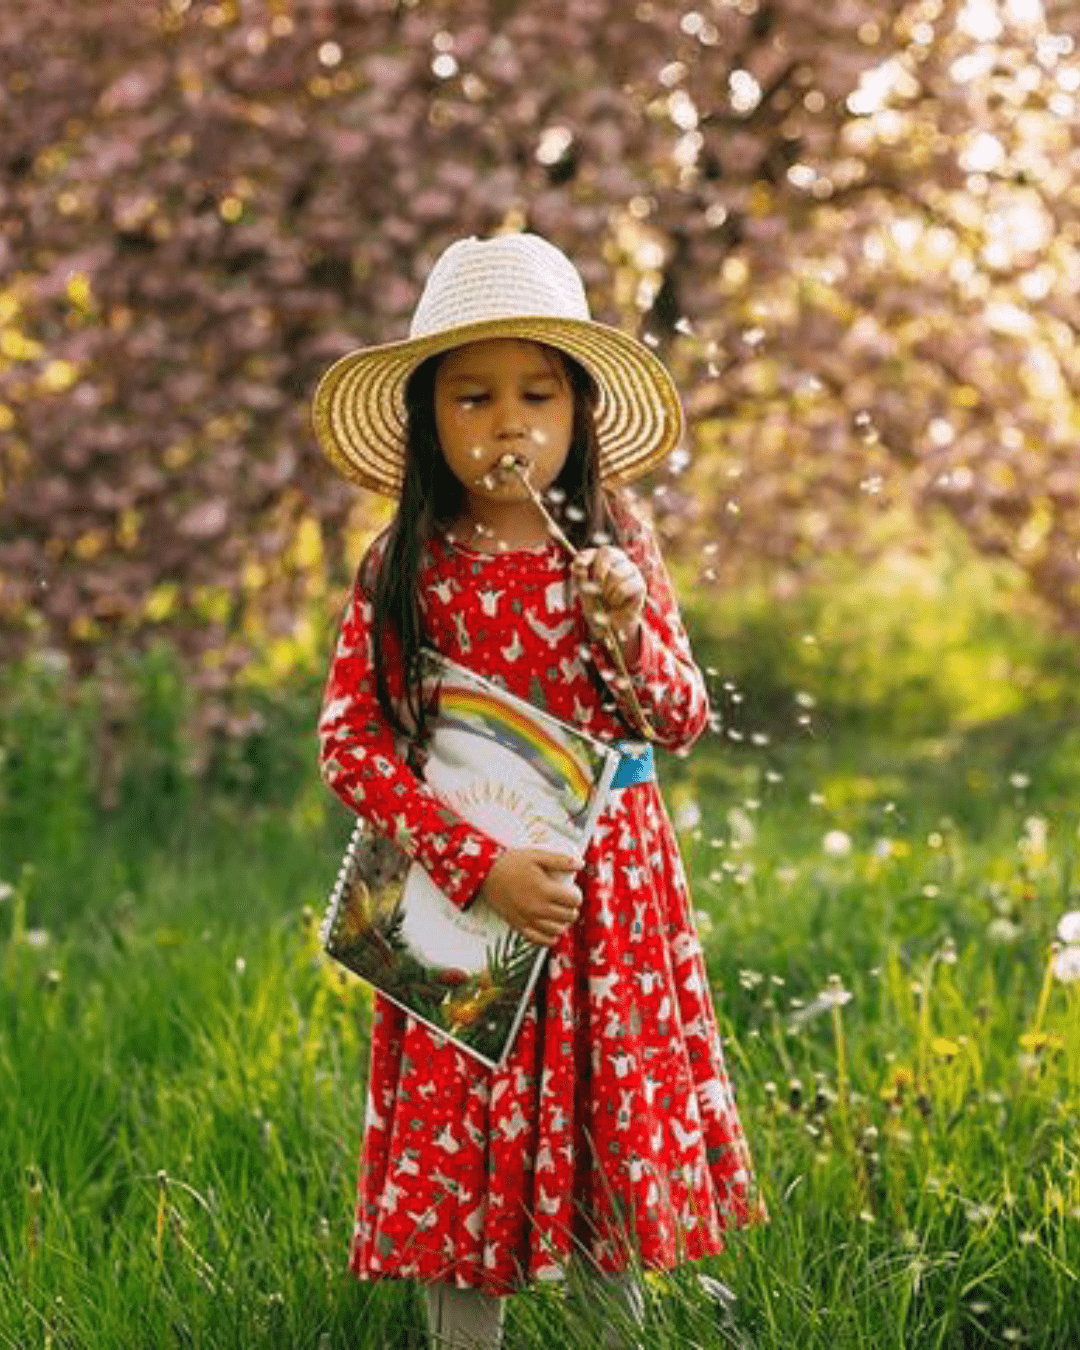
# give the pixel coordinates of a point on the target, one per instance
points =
(851, 229)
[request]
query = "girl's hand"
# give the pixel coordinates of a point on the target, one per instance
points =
(612, 591)
(534, 893)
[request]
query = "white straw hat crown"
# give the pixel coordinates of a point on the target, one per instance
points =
(511, 275)
(514, 285)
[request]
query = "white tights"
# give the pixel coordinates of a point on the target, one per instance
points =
(466, 1319)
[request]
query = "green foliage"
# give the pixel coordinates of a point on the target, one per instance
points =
(917, 642)
(182, 1076)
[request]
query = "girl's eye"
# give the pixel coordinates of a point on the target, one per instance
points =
(537, 397)
(472, 400)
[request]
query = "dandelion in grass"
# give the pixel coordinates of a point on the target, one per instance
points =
(7, 890)
(834, 995)
(836, 844)
(742, 828)
(1066, 964)
(687, 815)
(1033, 842)
(1002, 930)
(1068, 929)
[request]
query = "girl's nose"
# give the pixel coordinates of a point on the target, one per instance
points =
(509, 419)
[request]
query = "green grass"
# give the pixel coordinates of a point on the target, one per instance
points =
(181, 1074)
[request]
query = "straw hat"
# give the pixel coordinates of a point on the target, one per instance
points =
(511, 286)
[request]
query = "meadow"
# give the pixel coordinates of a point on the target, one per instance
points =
(182, 1073)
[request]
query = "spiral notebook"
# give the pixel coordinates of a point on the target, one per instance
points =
(522, 776)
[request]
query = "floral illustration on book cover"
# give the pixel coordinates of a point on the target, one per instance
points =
(522, 776)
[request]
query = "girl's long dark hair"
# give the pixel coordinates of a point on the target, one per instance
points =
(432, 499)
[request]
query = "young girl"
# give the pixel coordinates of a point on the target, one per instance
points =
(610, 1135)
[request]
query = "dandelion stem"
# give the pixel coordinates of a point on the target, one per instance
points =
(162, 1214)
(33, 1219)
(924, 1024)
(637, 714)
(1044, 993)
(842, 1092)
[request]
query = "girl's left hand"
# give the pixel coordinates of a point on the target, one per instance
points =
(612, 591)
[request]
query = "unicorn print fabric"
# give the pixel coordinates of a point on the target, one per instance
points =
(612, 1127)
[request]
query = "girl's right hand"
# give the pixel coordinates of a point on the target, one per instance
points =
(534, 892)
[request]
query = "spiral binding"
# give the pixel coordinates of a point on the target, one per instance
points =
(348, 861)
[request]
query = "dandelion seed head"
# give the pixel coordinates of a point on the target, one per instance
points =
(834, 993)
(836, 844)
(1066, 964)
(687, 815)
(1003, 930)
(7, 890)
(1068, 929)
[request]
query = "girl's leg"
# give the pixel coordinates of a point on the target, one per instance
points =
(463, 1319)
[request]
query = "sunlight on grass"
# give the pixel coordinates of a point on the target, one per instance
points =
(895, 963)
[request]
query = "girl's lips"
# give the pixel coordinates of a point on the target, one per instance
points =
(506, 463)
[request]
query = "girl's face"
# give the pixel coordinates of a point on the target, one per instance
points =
(497, 396)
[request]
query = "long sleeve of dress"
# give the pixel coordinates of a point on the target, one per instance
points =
(669, 686)
(362, 764)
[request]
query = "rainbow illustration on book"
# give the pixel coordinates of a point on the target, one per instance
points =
(524, 778)
(555, 759)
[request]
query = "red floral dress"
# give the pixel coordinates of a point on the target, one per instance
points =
(612, 1124)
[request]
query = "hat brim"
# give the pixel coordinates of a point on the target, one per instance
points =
(359, 405)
